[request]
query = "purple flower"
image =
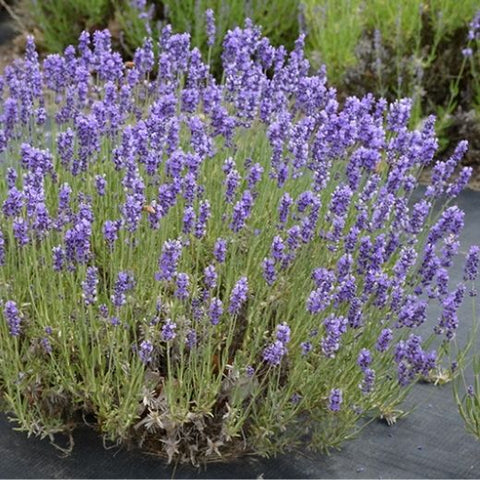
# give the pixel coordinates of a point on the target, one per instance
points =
(64, 197)
(460, 183)
(449, 319)
(335, 327)
(145, 351)
(167, 263)
(132, 211)
(474, 27)
(123, 284)
(364, 358)
(406, 261)
(35, 160)
(90, 286)
(277, 248)
(45, 341)
(335, 400)
(210, 276)
(318, 301)
(451, 222)
(77, 242)
(323, 278)
(238, 296)
(413, 313)
(399, 114)
(283, 333)
(183, 283)
(274, 353)
(284, 207)
(344, 265)
(412, 359)
(471, 264)
(11, 177)
(13, 204)
(100, 184)
(110, 231)
(215, 310)
(144, 57)
(419, 216)
(306, 347)
(188, 219)
(2, 249)
(293, 239)
(12, 316)
(220, 250)
(203, 215)
(103, 310)
(341, 200)
(58, 258)
(269, 273)
(254, 175)
(20, 231)
(241, 211)
(320, 298)
(210, 26)
(168, 330)
(190, 99)
(191, 338)
(368, 380)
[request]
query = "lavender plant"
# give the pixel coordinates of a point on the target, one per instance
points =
(210, 269)
(467, 391)
(138, 18)
(467, 397)
(471, 57)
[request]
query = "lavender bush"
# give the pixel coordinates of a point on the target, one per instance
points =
(214, 269)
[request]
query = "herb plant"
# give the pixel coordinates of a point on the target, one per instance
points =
(209, 269)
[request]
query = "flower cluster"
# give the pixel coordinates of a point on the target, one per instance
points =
(230, 242)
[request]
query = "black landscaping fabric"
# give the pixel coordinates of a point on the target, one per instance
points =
(431, 442)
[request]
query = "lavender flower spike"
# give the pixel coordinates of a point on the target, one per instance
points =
(210, 26)
(220, 250)
(168, 331)
(12, 316)
(183, 283)
(283, 333)
(335, 400)
(145, 351)
(471, 264)
(269, 273)
(238, 296)
(125, 282)
(384, 339)
(215, 310)
(2, 249)
(274, 353)
(364, 359)
(90, 286)
(171, 251)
